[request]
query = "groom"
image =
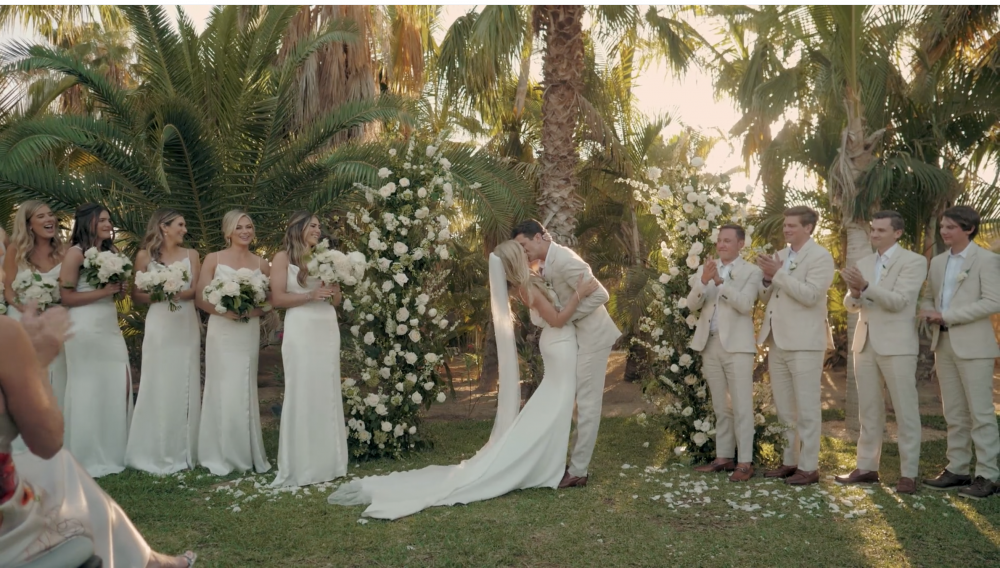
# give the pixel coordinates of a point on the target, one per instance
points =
(595, 334)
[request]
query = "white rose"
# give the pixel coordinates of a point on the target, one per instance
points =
(697, 162)
(402, 314)
(443, 323)
(384, 173)
(675, 369)
(387, 426)
(400, 387)
(699, 438)
(682, 303)
(446, 165)
(429, 385)
(431, 150)
(416, 398)
(372, 400)
(697, 248)
(688, 208)
(674, 271)
(664, 278)
(691, 320)
(404, 183)
(653, 173)
(385, 372)
(692, 197)
(413, 430)
(687, 411)
(355, 330)
(421, 193)
(664, 193)
(414, 336)
(398, 430)
(381, 410)
(693, 229)
(656, 209)
(679, 450)
(431, 358)
(400, 248)
(685, 360)
(690, 380)
(432, 312)
(401, 329)
(400, 279)
(410, 377)
(441, 397)
(422, 299)
(349, 382)
(693, 262)
(386, 286)
(369, 338)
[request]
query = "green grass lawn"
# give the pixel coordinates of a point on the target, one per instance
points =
(643, 507)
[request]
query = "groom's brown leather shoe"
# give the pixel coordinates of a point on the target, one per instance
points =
(803, 478)
(717, 466)
(572, 481)
(782, 472)
(744, 472)
(857, 477)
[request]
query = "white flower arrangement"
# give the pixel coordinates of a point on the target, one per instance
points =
(164, 283)
(331, 266)
(238, 294)
(31, 286)
(689, 219)
(101, 268)
(405, 232)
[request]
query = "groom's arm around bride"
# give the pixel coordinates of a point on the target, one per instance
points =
(596, 333)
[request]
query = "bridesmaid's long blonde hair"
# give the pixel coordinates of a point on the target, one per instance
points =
(152, 241)
(295, 243)
(24, 238)
(229, 222)
(515, 265)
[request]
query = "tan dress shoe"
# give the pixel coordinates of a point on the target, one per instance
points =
(857, 477)
(906, 485)
(716, 466)
(744, 472)
(782, 472)
(803, 478)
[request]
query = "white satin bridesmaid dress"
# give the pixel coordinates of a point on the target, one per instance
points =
(98, 387)
(230, 438)
(312, 445)
(163, 438)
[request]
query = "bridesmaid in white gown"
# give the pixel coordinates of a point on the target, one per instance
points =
(526, 449)
(99, 385)
(46, 497)
(36, 247)
(163, 438)
(230, 436)
(313, 442)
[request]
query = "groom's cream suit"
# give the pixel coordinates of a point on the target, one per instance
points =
(885, 348)
(596, 332)
(797, 331)
(965, 289)
(725, 337)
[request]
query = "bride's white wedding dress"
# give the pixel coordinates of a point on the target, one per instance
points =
(525, 450)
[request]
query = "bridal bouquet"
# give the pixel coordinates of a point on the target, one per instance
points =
(105, 267)
(238, 294)
(164, 283)
(31, 286)
(334, 267)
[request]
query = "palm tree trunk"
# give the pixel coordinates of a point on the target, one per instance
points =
(562, 71)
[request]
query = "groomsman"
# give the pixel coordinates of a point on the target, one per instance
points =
(725, 291)
(963, 291)
(796, 330)
(884, 288)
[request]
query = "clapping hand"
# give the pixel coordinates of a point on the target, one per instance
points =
(48, 331)
(855, 281)
(769, 264)
(710, 272)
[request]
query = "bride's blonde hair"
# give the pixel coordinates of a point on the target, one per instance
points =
(515, 265)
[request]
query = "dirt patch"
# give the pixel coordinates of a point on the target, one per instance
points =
(838, 429)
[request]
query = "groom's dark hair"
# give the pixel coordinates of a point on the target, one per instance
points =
(529, 228)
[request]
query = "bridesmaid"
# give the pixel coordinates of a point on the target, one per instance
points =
(230, 436)
(35, 246)
(163, 438)
(99, 385)
(313, 439)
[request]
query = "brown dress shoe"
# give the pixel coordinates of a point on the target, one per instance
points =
(572, 481)
(803, 478)
(857, 477)
(716, 466)
(906, 485)
(783, 471)
(744, 472)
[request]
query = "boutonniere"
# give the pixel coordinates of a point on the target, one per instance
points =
(792, 266)
(962, 276)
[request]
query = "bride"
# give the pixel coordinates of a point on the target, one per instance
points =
(526, 449)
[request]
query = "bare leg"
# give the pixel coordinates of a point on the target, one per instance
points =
(159, 560)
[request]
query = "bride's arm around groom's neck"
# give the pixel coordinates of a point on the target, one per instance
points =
(567, 268)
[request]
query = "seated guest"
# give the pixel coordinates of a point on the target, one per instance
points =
(46, 497)
(725, 291)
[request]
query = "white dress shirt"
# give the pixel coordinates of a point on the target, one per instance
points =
(790, 258)
(951, 272)
(724, 271)
(881, 260)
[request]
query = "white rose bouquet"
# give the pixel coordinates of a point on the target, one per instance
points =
(334, 267)
(238, 294)
(164, 283)
(105, 267)
(32, 286)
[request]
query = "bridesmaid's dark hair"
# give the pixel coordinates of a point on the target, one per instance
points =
(295, 242)
(85, 228)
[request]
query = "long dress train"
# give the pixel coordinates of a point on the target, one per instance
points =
(312, 447)
(229, 437)
(530, 452)
(98, 387)
(163, 438)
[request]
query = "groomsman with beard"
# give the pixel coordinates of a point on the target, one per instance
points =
(797, 333)
(725, 290)
(963, 291)
(884, 289)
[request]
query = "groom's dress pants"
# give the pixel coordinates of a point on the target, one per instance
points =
(795, 382)
(591, 370)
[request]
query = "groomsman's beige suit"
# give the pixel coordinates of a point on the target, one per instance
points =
(728, 351)
(885, 348)
(965, 353)
(796, 329)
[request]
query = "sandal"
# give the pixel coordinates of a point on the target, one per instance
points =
(190, 557)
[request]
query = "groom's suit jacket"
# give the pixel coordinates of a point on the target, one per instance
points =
(888, 310)
(976, 298)
(595, 329)
(796, 313)
(734, 300)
